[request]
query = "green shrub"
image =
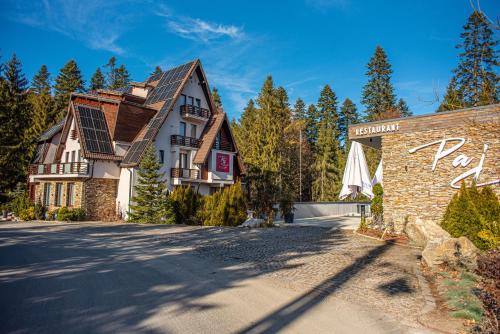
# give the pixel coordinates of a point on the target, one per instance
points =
(475, 215)
(377, 208)
(363, 225)
(225, 208)
(461, 299)
(184, 203)
(20, 203)
(52, 214)
(27, 214)
(66, 214)
(40, 210)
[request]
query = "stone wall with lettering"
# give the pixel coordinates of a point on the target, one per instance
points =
(413, 190)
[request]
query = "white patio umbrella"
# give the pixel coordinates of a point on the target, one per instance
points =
(378, 177)
(356, 175)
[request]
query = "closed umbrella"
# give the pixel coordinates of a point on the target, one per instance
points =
(378, 177)
(356, 175)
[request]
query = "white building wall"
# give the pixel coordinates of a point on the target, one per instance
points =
(125, 190)
(106, 169)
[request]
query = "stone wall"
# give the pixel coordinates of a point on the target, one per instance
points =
(78, 192)
(412, 190)
(100, 198)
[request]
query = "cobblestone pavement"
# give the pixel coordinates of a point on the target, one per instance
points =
(314, 262)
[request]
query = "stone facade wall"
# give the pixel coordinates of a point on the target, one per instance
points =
(100, 198)
(78, 192)
(412, 190)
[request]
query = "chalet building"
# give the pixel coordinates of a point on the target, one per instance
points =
(90, 159)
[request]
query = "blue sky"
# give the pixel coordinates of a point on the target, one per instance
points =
(304, 44)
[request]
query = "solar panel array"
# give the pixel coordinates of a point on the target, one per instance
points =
(164, 91)
(95, 130)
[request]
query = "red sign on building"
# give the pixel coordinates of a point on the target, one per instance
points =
(222, 162)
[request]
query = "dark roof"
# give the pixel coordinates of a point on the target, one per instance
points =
(52, 131)
(167, 91)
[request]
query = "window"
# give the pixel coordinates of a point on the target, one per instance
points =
(46, 194)
(67, 157)
(162, 156)
(183, 161)
(198, 103)
(70, 195)
(79, 156)
(182, 129)
(191, 100)
(58, 195)
(183, 99)
(73, 157)
(217, 141)
(193, 130)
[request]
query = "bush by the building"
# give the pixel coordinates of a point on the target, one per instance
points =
(183, 204)
(67, 214)
(377, 208)
(475, 215)
(27, 214)
(224, 208)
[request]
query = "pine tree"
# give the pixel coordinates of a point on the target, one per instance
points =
(97, 81)
(311, 127)
(403, 108)
(122, 78)
(41, 101)
(149, 203)
(68, 81)
(15, 120)
(216, 98)
(477, 72)
(327, 150)
(299, 110)
(348, 115)
(111, 75)
(378, 93)
(244, 131)
(453, 99)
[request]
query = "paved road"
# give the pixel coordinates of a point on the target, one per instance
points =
(104, 278)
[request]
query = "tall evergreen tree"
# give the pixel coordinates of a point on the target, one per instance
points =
(311, 127)
(68, 81)
(402, 107)
(477, 72)
(299, 110)
(97, 81)
(122, 78)
(453, 99)
(216, 97)
(111, 75)
(378, 93)
(348, 115)
(150, 203)
(41, 101)
(327, 150)
(15, 120)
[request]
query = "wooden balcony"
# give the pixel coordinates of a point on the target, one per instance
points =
(185, 141)
(194, 113)
(69, 168)
(185, 173)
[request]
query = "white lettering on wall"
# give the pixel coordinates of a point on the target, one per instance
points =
(462, 160)
(377, 129)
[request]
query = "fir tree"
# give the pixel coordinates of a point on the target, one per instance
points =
(378, 93)
(41, 101)
(244, 132)
(216, 98)
(122, 78)
(403, 108)
(311, 127)
(111, 75)
(68, 81)
(327, 150)
(477, 72)
(299, 110)
(97, 81)
(348, 115)
(15, 120)
(453, 99)
(149, 203)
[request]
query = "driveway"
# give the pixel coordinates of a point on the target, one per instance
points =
(125, 278)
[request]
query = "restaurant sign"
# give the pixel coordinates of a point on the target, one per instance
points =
(461, 160)
(222, 162)
(376, 129)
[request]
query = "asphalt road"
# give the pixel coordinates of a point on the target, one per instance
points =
(87, 278)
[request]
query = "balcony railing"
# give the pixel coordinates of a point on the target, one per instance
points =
(79, 168)
(190, 110)
(184, 173)
(184, 141)
(223, 145)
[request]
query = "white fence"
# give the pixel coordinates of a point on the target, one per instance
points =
(322, 209)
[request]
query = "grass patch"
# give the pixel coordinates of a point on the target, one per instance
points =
(461, 299)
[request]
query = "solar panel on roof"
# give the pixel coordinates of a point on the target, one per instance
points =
(95, 130)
